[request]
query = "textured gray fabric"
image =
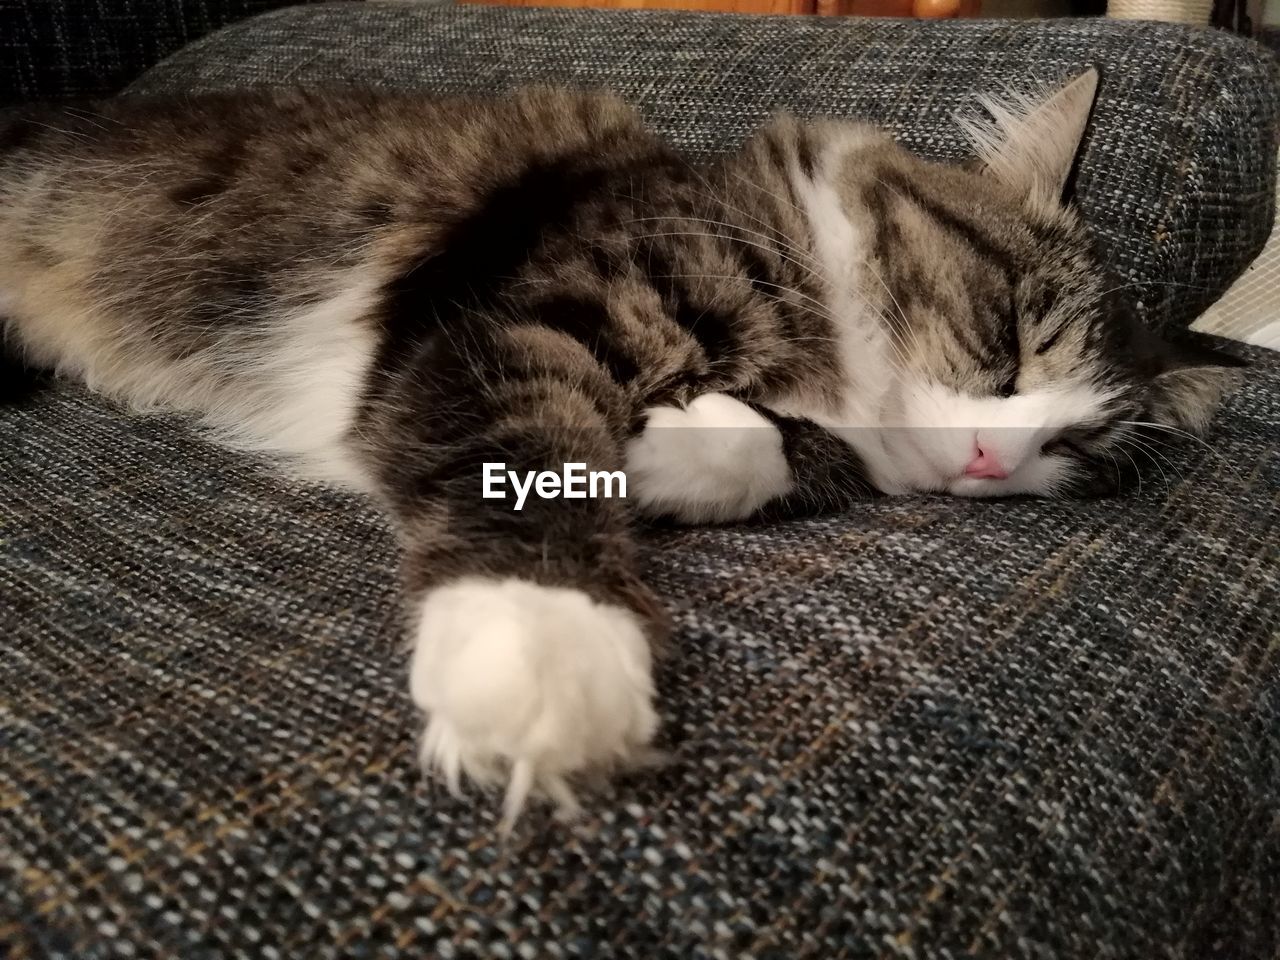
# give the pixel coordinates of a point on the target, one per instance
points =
(1178, 177)
(1026, 728)
(58, 49)
(927, 728)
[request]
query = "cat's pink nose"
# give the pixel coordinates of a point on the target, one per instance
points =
(985, 466)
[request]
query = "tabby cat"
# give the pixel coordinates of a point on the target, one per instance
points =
(389, 292)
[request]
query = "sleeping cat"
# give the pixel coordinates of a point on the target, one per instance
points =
(389, 292)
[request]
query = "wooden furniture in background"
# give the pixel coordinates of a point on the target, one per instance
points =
(721, 6)
(924, 9)
(932, 9)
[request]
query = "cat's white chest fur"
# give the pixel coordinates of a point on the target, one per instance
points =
(843, 259)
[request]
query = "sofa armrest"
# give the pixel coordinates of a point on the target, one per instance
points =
(61, 49)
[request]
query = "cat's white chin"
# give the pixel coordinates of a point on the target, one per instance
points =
(1042, 476)
(529, 685)
(908, 466)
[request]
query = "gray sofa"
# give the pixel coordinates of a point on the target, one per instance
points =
(924, 728)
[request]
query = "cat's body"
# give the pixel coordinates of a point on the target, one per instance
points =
(390, 292)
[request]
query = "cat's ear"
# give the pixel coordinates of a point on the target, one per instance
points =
(1189, 389)
(1188, 378)
(1030, 141)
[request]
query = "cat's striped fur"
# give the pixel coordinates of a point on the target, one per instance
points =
(389, 292)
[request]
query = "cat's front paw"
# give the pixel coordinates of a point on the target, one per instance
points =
(529, 685)
(715, 460)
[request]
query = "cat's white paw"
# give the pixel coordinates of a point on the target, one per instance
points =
(529, 685)
(715, 460)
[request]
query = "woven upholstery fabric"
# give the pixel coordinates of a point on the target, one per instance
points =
(923, 728)
(59, 49)
(1177, 178)
(927, 728)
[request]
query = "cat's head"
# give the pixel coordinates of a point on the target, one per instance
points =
(1016, 364)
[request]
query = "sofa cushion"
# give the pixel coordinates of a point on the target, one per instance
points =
(1178, 176)
(58, 49)
(924, 728)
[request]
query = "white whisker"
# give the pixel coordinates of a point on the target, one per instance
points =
(1132, 443)
(1189, 436)
(717, 236)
